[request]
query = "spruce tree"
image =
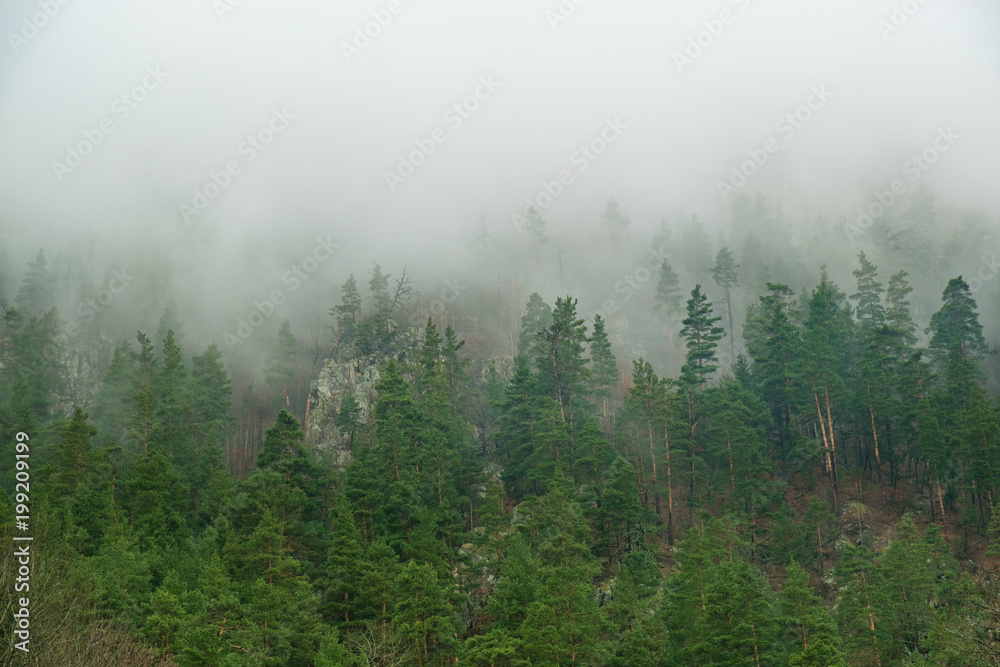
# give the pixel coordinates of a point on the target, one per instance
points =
(172, 404)
(209, 426)
(73, 456)
(279, 620)
(563, 625)
(702, 338)
(604, 368)
(345, 568)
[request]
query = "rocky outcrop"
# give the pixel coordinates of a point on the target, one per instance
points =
(82, 367)
(335, 380)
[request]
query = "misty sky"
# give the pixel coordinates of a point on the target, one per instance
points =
(345, 119)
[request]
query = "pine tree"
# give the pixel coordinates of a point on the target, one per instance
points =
(775, 343)
(424, 614)
(158, 504)
(695, 249)
(738, 443)
(496, 648)
(645, 403)
(378, 585)
(535, 227)
(282, 450)
(828, 330)
(621, 519)
(170, 320)
(604, 369)
(166, 621)
(594, 453)
(702, 338)
(111, 409)
(280, 369)
(209, 426)
(31, 363)
(641, 636)
(279, 618)
(345, 568)
(717, 607)
(519, 408)
(563, 625)
(559, 355)
(861, 610)
(347, 315)
(348, 419)
(897, 310)
(808, 626)
(957, 324)
(36, 293)
(516, 588)
(378, 285)
(977, 453)
(668, 297)
(537, 316)
(73, 456)
(615, 221)
(870, 312)
(909, 587)
(454, 368)
(171, 401)
(725, 276)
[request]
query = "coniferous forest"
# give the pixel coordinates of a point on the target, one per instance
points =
(807, 479)
(442, 333)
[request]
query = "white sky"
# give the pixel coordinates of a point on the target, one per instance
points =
(557, 86)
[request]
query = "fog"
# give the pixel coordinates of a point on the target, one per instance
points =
(207, 146)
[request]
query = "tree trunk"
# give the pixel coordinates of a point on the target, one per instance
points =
(670, 490)
(828, 463)
(878, 459)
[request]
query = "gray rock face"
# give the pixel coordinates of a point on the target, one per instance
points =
(335, 380)
(82, 369)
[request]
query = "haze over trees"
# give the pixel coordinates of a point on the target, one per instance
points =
(799, 472)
